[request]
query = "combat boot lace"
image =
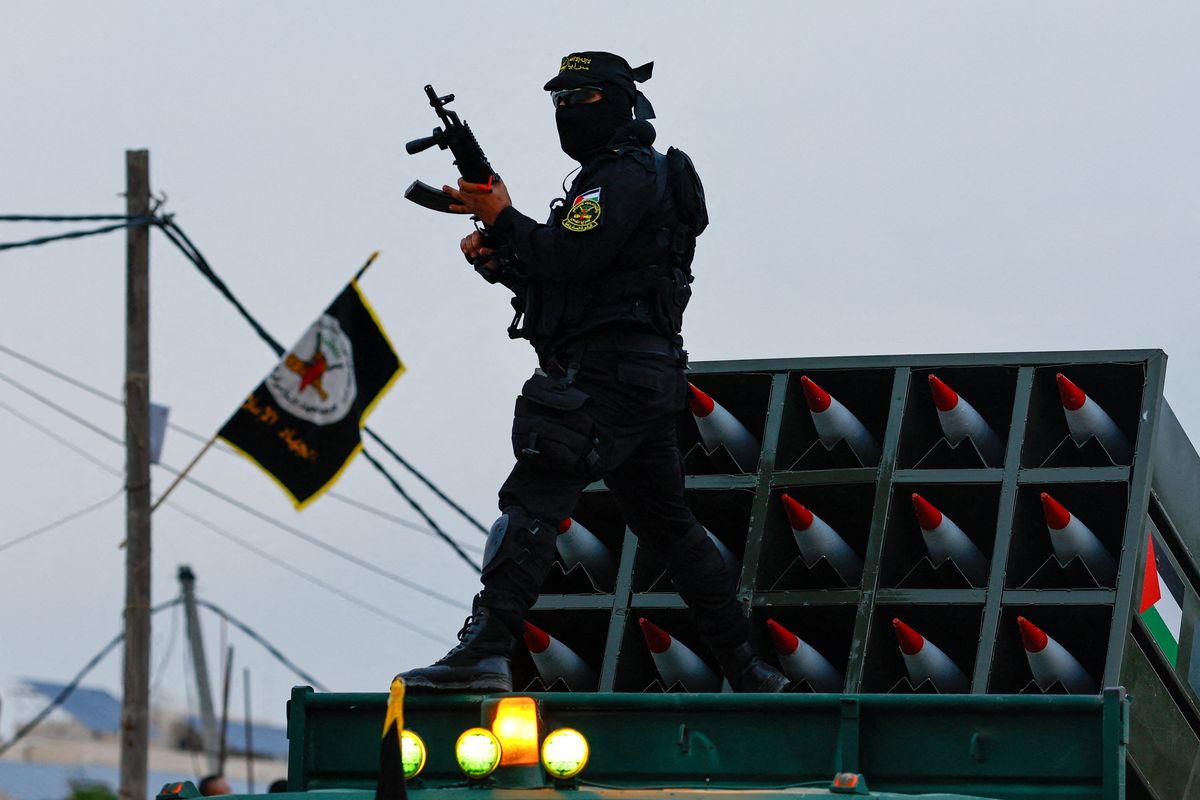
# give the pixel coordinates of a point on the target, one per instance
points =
(746, 672)
(478, 663)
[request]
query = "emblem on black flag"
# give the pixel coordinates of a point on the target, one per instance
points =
(301, 424)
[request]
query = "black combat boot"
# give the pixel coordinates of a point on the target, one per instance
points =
(479, 663)
(746, 672)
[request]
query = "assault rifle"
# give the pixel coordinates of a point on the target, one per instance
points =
(455, 136)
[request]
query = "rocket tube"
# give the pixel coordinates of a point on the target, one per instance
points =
(816, 539)
(834, 423)
(719, 427)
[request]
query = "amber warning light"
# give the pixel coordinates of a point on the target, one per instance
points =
(516, 726)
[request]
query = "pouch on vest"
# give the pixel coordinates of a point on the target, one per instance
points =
(553, 428)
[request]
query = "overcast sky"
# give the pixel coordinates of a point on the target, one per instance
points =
(892, 177)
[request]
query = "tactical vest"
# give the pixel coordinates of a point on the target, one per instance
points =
(649, 295)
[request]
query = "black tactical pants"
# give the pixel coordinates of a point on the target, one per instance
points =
(616, 421)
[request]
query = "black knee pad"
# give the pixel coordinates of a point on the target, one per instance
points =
(515, 536)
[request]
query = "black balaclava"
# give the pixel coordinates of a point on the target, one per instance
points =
(585, 129)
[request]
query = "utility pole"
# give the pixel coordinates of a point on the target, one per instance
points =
(249, 731)
(223, 751)
(135, 699)
(208, 719)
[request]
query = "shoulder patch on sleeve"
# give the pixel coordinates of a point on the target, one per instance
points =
(585, 212)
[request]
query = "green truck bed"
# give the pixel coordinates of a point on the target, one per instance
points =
(710, 746)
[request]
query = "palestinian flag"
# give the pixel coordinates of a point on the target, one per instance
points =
(1162, 602)
(391, 785)
(301, 424)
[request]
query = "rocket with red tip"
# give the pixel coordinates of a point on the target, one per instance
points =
(834, 422)
(817, 539)
(577, 545)
(555, 661)
(946, 541)
(925, 661)
(801, 662)
(718, 427)
(676, 663)
(1085, 419)
(1051, 663)
(960, 420)
(1071, 538)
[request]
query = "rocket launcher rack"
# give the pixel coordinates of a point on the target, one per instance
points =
(996, 502)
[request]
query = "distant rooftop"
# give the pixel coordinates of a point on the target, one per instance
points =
(266, 740)
(99, 712)
(95, 709)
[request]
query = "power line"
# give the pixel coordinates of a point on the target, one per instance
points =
(256, 636)
(62, 376)
(416, 507)
(360, 505)
(367, 565)
(429, 484)
(62, 521)
(62, 696)
(342, 498)
(131, 222)
(61, 440)
(312, 579)
(96, 429)
(305, 575)
(273, 559)
(67, 690)
(67, 217)
(161, 672)
(271, 520)
(175, 234)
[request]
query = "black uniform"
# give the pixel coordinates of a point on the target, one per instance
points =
(600, 289)
(594, 280)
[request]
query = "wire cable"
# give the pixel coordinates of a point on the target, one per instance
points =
(180, 239)
(67, 217)
(429, 484)
(58, 523)
(67, 690)
(62, 696)
(311, 578)
(96, 429)
(305, 575)
(256, 636)
(224, 448)
(264, 517)
(132, 222)
(313, 540)
(417, 507)
(350, 501)
(67, 443)
(161, 672)
(78, 384)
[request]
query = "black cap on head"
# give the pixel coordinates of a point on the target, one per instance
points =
(595, 68)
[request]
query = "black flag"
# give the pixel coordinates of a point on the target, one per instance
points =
(301, 424)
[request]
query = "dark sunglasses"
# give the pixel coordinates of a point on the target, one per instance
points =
(574, 97)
